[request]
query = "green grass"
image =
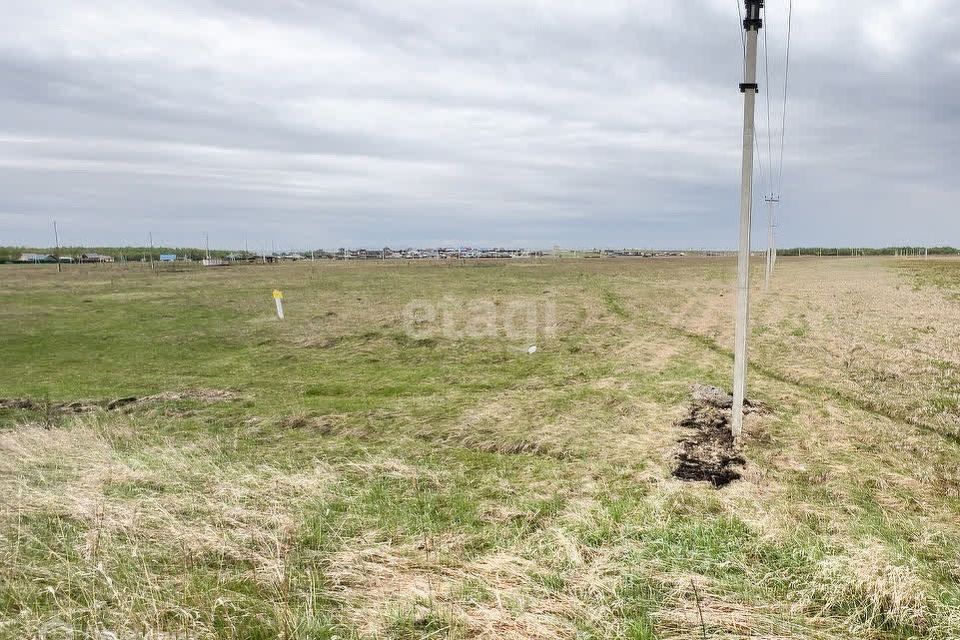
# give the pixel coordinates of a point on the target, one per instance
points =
(360, 481)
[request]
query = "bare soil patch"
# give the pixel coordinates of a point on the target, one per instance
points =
(707, 451)
(28, 404)
(19, 403)
(208, 396)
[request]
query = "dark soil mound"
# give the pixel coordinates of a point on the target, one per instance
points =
(707, 451)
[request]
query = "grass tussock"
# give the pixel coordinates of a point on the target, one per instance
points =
(871, 592)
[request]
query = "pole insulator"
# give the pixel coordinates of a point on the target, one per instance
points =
(753, 21)
(745, 86)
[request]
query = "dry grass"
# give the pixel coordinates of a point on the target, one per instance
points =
(373, 486)
(176, 503)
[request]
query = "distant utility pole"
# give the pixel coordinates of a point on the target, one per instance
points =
(749, 88)
(771, 241)
(151, 250)
(56, 239)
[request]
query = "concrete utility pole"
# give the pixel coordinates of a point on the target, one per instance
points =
(56, 239)
(771, 241)
(151, 250)
(749, 88)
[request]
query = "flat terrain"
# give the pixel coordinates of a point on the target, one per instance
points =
(391, 462)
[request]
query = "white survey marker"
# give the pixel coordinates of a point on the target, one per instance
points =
(278, 298)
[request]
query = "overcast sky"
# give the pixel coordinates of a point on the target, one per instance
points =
(327, 123)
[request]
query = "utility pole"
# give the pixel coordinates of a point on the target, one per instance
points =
(771, 242)
(773, 256)
(749, 88)
(151, 250)
(56, 239)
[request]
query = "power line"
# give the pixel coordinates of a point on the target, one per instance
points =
(743, 39)
(756, 144)
(770, 198)
(766, 91)
(786, 80)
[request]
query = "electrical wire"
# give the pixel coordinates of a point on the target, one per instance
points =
(756, 144)
(786, 81)
(743, 40)
(766, 91)
(756, 140)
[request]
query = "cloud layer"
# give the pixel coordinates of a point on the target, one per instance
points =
(507, 122)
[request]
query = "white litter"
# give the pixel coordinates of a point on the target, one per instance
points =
(532, 349)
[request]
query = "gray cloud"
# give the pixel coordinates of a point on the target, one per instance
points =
(506, 122)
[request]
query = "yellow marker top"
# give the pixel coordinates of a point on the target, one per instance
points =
(278, 294)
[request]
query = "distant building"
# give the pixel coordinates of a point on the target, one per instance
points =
(36, 257)
(168, 257)
(95, 258)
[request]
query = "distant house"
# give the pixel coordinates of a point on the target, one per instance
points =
(36, 257)
(95, 257)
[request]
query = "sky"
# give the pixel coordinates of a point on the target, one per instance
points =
(302, 124)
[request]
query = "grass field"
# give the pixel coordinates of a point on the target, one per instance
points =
(361, 471)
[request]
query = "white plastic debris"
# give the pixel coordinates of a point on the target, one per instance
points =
(532, 349)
